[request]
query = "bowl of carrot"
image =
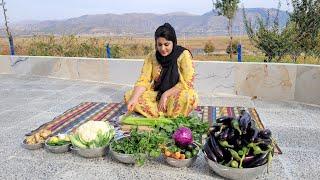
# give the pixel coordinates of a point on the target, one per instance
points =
(178, 156)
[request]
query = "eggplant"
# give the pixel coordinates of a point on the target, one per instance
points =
(264, 141)
(226, 120)
(262, 162)
(207, 150)
(238, 143)
(234, 138)
(224, 134)
(256, 161)
(254, 134)
(215, 147)
(191, 147)
(252, 124)
(248, 159)
(244, 120)
(265, 134)
(231, 134)
(214, 128)
(264, 146)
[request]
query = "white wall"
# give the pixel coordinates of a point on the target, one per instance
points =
(265, 80)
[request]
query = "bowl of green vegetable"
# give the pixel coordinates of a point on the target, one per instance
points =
(57, 144)
(122, 157)
(181, 156)
(125, 149)
(137, 147)
(91, 152)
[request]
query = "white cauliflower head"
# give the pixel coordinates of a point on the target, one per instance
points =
(89, 131)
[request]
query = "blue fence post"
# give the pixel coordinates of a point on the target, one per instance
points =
(11, 45)
(239, 50)
(108, 51)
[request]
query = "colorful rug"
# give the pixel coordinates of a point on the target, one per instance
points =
(98, 111)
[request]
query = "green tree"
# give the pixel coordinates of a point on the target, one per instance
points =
(209, 47)
(45, 46)
(147, 49)
(298, 37)
(9, 35)
(268, 38)
(116, 51)
(305, 20)
(233, 48)
(227, 8)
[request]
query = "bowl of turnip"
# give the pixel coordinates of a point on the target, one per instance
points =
(182, 151)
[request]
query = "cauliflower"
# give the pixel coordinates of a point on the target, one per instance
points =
(89, 131)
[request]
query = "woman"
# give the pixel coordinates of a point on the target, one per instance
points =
(165, 86)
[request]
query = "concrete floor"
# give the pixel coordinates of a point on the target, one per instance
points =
(27, 102)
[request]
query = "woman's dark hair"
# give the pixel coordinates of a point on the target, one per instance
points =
(166, 31)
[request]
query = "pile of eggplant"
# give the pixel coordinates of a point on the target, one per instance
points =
(237, 142)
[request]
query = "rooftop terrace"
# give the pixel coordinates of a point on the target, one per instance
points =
(27, 101)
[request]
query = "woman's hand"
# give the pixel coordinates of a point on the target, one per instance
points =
(162, 106)
(131, 104)
(137, 92)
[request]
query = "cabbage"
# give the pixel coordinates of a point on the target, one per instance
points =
(183, 136)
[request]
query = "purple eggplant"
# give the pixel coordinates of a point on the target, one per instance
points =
(258, 160)
(264, 146)
(231, 134)
(226, 120)
(254, 134)
(265, 134)
(238, 143)
(244, 120)
(214, 128)
(215, 147)
(207, 150)
(248, 159)
(224, 134)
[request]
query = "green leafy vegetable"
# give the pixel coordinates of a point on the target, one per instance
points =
(141, 145)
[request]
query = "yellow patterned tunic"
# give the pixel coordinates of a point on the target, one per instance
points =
(181, 104)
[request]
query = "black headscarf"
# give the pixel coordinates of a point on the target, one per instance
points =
(169, 75)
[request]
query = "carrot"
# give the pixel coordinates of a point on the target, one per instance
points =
(167, 153)
(177, 155)
(182, 156)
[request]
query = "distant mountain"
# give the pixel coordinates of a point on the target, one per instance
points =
(144, 24)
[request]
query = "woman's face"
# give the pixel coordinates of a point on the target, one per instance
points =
(164, 47)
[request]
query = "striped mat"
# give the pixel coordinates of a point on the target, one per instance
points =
(99, 111)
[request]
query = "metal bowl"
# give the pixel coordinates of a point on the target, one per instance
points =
(124, 158)
(57, 149)
(92, 152)
(236, 173)
(121, 157)
(180, 162)
(31, 146)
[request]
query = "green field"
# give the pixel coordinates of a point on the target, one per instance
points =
(133, 47)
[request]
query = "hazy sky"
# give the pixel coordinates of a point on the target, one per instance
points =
(19, 10)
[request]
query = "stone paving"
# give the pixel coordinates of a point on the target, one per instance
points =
(28, 101)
